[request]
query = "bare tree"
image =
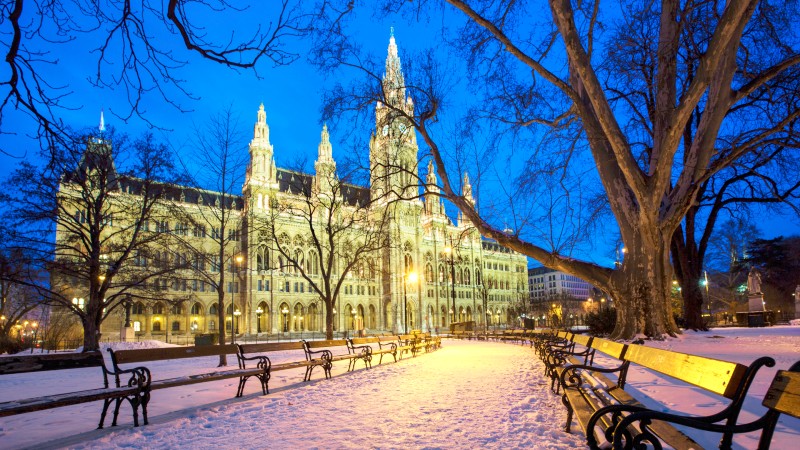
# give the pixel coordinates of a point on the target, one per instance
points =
(139, 48)
(348, 233)
(104, 201)
(551, 75)
(16, 300)
(218, 163)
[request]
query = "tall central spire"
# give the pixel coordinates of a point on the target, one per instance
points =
(394, 85)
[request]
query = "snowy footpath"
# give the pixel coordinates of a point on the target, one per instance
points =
(466, 395)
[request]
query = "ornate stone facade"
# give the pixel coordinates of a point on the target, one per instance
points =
(461, 275)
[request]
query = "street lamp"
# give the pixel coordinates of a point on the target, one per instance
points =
(259, 311)
(35, 326)
(285, 312)
(235, 325)
(410, 277)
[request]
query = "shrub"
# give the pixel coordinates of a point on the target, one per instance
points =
(602, 322)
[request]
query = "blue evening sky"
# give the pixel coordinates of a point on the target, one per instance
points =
(292, 96)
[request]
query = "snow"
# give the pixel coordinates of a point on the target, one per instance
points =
(468, 394)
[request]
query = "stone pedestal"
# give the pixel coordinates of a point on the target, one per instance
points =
(797, 308)
(755, 302)
(127, 334)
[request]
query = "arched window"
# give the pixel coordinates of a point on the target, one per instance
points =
(478, 277)
(441, 273)
(157, 325)
(312, 266)
(213, 310)
(138, 308)
(409, 263)
(158, 308)
(466, 277)
(429, 272)
(177, 309)
(197, 309)
(299, 259)
(176, 326)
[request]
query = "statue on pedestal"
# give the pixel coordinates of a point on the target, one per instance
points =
(755, 297)
(754, 281)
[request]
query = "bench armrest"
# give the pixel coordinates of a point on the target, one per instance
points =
(391, 345)
(571, 378)
(324, 354)
(136, 376)
(263, 361)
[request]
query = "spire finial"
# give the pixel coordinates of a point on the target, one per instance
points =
(391, 31)
(102, 126)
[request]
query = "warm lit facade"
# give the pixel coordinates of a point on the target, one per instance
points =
(272, 297)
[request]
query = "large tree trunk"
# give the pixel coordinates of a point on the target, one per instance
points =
(328, 320)
(223, 359)
(687, 260)
(641, 288)
(91, 332)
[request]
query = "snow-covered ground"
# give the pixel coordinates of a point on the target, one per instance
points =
(466, 395)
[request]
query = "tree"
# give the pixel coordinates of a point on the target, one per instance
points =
(141, 49)
(102, 217)
(215, 240)
(347, 233)
(551, 77)
(16, 300)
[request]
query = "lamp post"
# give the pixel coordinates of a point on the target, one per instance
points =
(35, 326)
(236, 314)
(285, 312)
(410, 277)
(259, 311)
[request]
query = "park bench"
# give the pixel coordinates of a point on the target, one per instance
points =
(351, 357)
(406, 343)
(562, 342)
(602, 407)
(130, 386)
(389, 342)
(384, 348)
(256, 353)
(135, 356)
(558, 359)
(782, 397)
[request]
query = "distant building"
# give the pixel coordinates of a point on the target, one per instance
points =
(544, 283)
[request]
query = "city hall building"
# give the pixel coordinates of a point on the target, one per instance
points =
(461, 276)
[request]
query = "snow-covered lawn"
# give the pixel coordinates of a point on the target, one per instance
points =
(466, 395)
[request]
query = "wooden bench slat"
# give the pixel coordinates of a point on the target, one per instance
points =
(54, 361)
(783, 394)
(13, 407)
(203, 377)
(165, 353)
(271, 347)
(717, 376)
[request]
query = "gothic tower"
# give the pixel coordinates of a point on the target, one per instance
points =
(325, 166)
(261, 179)
(393, 145)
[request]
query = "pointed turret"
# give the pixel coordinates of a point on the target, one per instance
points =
(325, 165)
(102, 126)
(466, 192)
(433, 203)
(466, 189)
(262, 163)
